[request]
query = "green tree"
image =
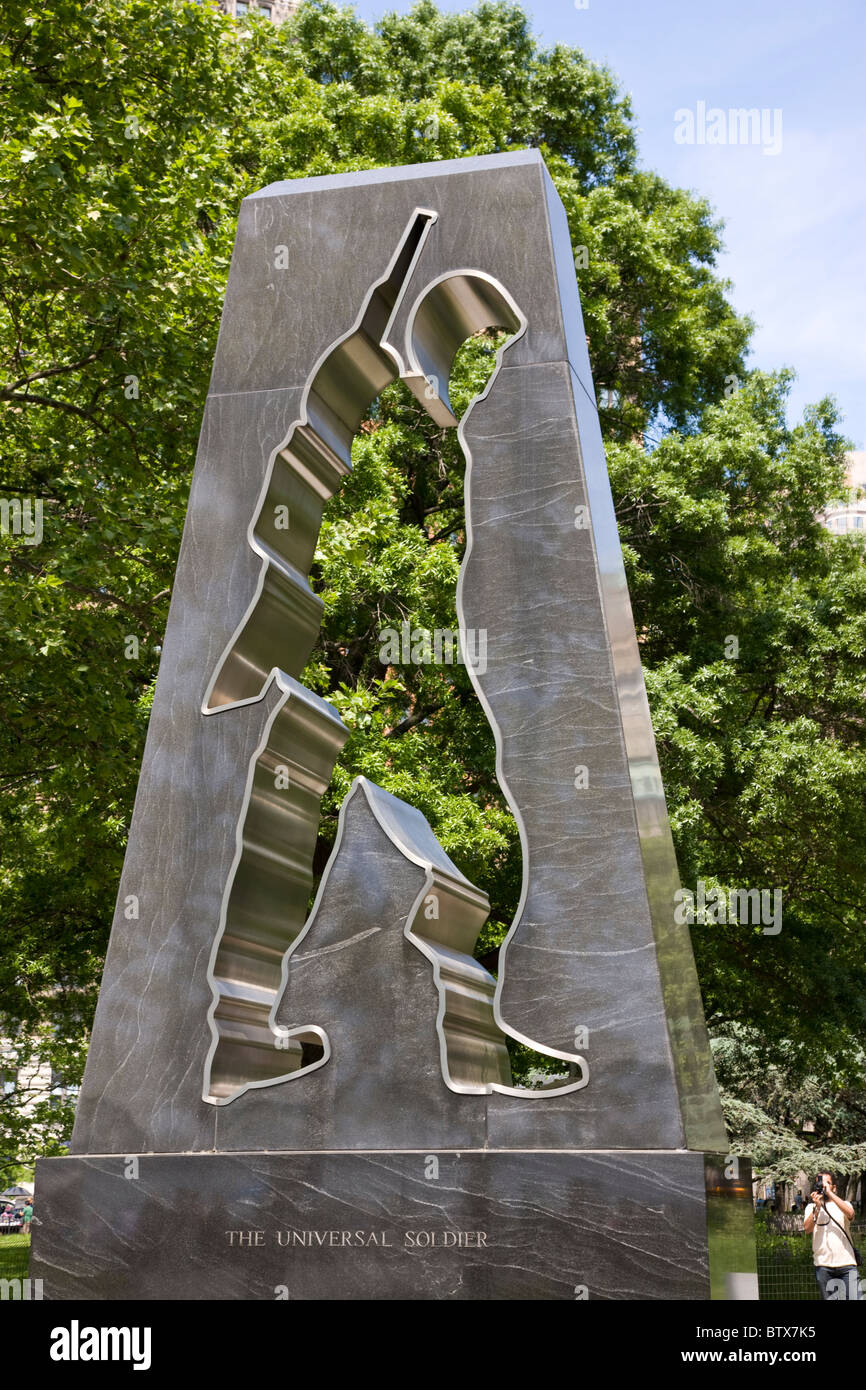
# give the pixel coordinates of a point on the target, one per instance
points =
(130, 134)
(787, 1118)
(753, 629)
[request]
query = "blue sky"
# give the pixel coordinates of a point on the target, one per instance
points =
(795, 221)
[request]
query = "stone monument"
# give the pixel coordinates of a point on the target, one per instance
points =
(321, 1106)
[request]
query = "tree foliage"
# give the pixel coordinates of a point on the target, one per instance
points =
(783, 1117)
(130, 134)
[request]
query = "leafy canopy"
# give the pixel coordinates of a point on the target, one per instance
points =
(131, 131)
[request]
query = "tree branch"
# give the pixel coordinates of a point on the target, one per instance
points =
(49, 371)
(411, 720)
(7, 395)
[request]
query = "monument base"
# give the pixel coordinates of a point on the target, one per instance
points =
(479, 1224)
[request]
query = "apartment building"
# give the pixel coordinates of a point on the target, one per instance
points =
(275, 10)
(849, 514)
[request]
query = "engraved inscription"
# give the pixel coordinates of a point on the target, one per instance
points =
(340, 1240)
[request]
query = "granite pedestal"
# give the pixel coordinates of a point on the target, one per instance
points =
(479, 1224)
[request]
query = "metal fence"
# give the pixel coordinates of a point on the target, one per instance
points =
(14, 1256)
(786, 1273)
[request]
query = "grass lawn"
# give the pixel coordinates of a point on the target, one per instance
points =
(14, 1256)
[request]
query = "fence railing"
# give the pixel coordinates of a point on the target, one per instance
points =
(786, 1272)
(14, 1257)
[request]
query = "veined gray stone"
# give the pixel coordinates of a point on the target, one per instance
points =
(386, 273)
(228, 1020)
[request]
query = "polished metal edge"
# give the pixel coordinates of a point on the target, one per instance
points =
(463, 300)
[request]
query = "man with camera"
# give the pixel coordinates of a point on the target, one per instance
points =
(827, 1218)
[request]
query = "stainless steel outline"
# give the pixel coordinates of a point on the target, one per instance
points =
(269, 882)
(303, 473)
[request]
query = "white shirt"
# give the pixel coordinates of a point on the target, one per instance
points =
(829, 1246)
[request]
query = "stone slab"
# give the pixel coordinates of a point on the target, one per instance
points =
(595, 947)
(376, 1225)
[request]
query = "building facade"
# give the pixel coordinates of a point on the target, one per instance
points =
(275, 10)
(849, 513)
